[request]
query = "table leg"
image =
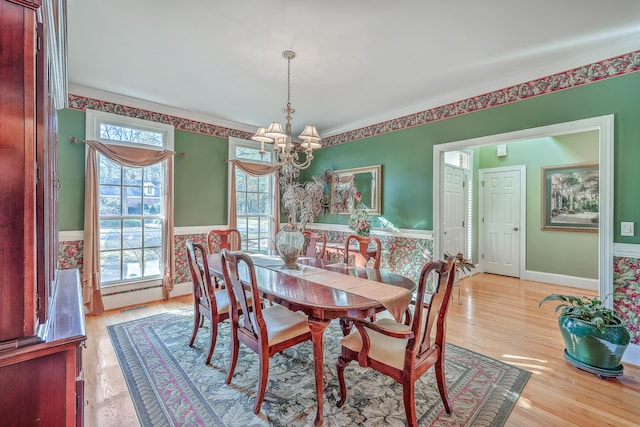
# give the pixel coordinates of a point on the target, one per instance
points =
(317, 327)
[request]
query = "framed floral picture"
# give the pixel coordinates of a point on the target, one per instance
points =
(571, 197)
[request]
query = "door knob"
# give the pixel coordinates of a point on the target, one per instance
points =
(515, 228)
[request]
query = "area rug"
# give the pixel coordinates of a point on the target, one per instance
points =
(171, 386)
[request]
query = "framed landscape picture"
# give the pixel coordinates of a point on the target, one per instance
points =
(571, 197)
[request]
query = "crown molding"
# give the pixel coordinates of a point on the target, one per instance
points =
(102, 95)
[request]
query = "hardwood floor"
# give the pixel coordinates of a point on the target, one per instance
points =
(498, 316)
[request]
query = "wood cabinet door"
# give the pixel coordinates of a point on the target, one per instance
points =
(17, 171)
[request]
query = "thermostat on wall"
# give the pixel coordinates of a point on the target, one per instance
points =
(502, 150)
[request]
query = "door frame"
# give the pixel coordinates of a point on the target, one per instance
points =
(522, 249)
(605, 126)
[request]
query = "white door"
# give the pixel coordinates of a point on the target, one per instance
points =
(501, 221)
(454, 211)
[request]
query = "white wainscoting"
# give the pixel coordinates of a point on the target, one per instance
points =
(397, 232)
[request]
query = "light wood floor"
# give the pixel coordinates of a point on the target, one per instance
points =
(498, 316)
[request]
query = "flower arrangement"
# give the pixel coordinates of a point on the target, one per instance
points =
(303, 201)
(359, 220)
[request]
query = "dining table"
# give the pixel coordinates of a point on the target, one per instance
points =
(324, 291)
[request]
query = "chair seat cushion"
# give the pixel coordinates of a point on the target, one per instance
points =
(283, 323)
(222, 301)
(385, 349)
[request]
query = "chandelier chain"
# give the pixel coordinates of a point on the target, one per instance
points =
(285, 148)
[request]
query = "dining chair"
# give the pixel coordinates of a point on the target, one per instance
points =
(316, 244)
(266, 331)
(223, 239)
(364, 253)
(207, 302)
(217, 240)
(405, 352)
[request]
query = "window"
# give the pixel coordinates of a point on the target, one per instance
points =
(131, 200)
(457, 158)
(254, 198)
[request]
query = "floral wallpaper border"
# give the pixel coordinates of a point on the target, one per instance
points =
(77, 102)
(607, 68)
(612, 67)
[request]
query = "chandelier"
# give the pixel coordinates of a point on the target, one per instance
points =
(287, 151)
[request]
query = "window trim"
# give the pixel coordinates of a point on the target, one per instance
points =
(92, 128)
(239, 142)
(94, 118)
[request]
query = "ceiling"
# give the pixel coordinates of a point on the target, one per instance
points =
(358, 62)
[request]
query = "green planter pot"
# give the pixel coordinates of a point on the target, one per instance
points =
(586, 344)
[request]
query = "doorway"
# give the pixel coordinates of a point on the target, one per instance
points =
(604, 126)
(454, 220)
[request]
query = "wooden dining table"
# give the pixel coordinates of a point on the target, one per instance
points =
(320, 302)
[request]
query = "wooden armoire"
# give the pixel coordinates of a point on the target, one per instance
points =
(41, 312)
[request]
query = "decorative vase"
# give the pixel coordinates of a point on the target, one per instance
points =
(586, 344)
(289, 243)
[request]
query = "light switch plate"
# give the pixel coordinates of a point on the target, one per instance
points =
(626, 229)
(501, 150)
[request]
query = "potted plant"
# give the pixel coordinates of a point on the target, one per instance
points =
(463, 266)
(595, 338)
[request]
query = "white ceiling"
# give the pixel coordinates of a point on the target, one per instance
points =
(358, 62)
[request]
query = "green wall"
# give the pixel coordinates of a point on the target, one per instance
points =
(200, 187)
(71, 164)
(407, 155)
(579, 249)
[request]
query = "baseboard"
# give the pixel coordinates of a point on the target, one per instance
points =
(632, 355)
(561, 279)
(143, 296)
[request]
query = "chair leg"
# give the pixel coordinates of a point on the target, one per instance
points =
(197, 318)
(262, 380)
(442, 384)
(235, 344)
(408, 392)
(212, 341)
(342, 363)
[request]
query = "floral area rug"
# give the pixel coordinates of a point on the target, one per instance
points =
(171, 386)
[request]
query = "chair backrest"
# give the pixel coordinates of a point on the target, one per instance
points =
(365, 252)
(316, 244)
(223, 239)
(202, 287)
(240, 277)
(424, 319)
